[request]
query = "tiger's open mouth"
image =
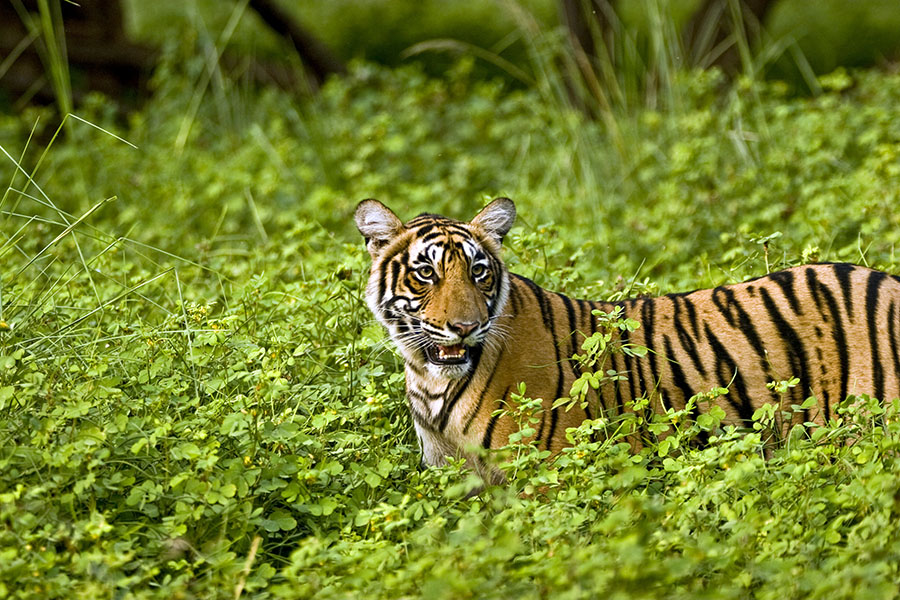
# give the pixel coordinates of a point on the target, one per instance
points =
(448, 355)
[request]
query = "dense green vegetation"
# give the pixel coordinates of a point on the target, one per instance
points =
(195, 401)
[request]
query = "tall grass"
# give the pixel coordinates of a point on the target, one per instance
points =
(46, 28)
(48, 252)
(599, 95)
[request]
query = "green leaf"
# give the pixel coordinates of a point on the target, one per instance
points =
(663, 448)
(670, 464)
(186, 451)
(809, 403)
(283, 520)
(373, 479)
(6, 393)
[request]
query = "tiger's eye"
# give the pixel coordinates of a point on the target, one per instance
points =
(425, 272)
(478, 270)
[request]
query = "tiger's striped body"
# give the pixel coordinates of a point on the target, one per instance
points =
(834, 326)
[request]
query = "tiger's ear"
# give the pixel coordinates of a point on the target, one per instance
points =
(496, 218)
(377, 223)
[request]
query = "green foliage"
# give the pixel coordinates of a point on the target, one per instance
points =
(196, 402)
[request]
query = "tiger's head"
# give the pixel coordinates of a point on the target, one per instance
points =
(438, 285)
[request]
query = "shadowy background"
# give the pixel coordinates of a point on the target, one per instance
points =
(113, 45)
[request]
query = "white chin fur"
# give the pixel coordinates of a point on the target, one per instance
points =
(447, 371)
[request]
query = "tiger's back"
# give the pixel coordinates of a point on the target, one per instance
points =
(836, 327)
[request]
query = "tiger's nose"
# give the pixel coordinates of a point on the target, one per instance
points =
(462, 328)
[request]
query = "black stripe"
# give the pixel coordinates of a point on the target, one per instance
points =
(727, 371)
(743, 323)
(487, 440)
(418, 417)
(426, 395)
(724, 305)
(394, 278)
(785, 280)
(432, 235)
(481, 397)
(633, 365)
(648, 314)
(548, 318)
(633, 390)
(794, 348)
(584, 314)
(388, 260)
(493, 294)
(573, 328)
(423, 228)
(584, 310)
(423, 218)
(382, 281)
(514, 298)
(746, 326)
(403, 327)
(687, 342)
(447, 408)
(458, 228)
(414, 368)
(842, 271)
(837, 331)
(692, 316)
(554, 415)
(678, 377)
(641, 382)
(812, 282)
(894, 342)
(415, 394)
(542, 302)
(823, 370)
(872, 286)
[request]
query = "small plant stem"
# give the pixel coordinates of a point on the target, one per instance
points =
(251, 556)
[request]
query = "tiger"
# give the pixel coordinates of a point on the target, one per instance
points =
(470, 331)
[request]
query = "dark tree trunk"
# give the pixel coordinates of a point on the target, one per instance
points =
(587, 20)
(315, 55)
(99, 54)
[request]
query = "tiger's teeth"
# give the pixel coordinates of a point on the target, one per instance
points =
(457, 353)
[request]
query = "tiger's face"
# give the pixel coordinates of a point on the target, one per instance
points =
(438, 285)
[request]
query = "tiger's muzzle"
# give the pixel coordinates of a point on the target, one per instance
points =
(457, 354)
(458, 344)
